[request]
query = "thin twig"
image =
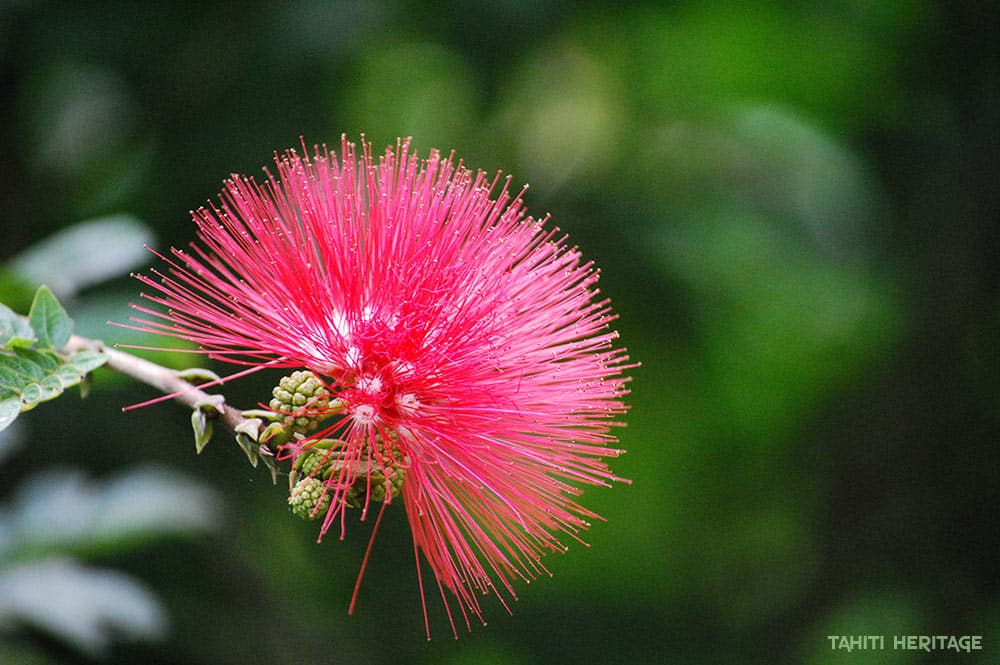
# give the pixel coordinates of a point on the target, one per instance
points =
(162, 378)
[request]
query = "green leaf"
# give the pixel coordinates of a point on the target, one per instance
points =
(9, 410)
(52, 385)
(31, 395)
(49, 320)
(20, 367)
(31, 376)
(69, 375)
(87, 361)
(14, 330)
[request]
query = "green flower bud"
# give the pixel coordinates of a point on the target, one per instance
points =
(376, 487)
(304, 398)
(380, 478)
(316, 463)
(309, 499)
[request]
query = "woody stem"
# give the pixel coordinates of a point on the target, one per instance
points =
(162, 378)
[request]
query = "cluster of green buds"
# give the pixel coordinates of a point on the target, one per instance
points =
(375, 480)
(301, 402)
(309, 499)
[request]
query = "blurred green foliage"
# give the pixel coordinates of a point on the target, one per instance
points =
(794, 207)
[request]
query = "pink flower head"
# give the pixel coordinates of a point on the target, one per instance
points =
(442, 318)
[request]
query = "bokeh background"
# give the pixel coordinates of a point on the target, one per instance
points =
(795, 208)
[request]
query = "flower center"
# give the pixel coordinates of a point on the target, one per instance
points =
(383, 394)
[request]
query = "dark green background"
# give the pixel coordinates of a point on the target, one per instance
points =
(795, 209)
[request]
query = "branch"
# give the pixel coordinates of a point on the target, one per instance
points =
(163, 379)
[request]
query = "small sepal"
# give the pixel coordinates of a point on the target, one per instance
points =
(86, 383)
(202, 426)
(247, 435)
(210, 403)
(201, 419)
(275, 435)
(250, 427)
(261, 413)
(267, 457)
(249, 446)
(194, 374)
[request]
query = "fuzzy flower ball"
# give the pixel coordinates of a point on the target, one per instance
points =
(463, 344)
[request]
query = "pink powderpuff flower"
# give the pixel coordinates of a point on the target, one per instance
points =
(442, 318)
